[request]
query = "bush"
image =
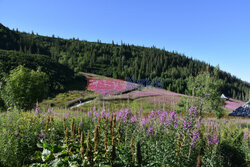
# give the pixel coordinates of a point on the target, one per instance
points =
(207, 88)
(24, 87)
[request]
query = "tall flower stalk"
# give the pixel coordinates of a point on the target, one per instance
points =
(132, 149)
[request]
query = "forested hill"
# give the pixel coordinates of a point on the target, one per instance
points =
(119, 61)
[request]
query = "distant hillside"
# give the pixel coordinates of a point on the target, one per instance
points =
(119, 61)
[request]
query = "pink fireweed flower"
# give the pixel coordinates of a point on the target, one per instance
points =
(90, 113)
(66, 115)
(107, 115)
(246, 134)
(192, 111)
(163, 116)
(41, 135)
(184, 124)
(213, 140)
(103, 113)
(150, 131)
(172, 116)
(198, 126)
(189, 124)
(133, 119)
(143, 122)
(37, 110)
(166, 123)
(195, 138)
(151, 115)
(124, 115)
(95, 115)
(16, 132)
(49, 110)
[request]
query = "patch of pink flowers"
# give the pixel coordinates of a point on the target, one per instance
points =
(232, 105)
(109, 86)
(136, 94)
(163, 91)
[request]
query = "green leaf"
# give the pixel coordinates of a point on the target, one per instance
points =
(46, 155)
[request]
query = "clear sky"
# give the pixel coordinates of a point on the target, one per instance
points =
(214, 31)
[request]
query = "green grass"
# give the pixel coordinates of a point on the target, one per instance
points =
(68, 99)
(134, 105)
(75, 92)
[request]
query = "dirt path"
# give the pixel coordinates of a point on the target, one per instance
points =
(78, 105)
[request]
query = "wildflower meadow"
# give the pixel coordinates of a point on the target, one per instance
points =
(121, 138)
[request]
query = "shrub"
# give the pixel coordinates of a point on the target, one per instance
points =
(24, 87)
(207, 88)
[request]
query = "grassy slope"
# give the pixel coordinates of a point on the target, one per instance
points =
(165, 100)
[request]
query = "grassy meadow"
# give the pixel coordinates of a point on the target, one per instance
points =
(109, 137)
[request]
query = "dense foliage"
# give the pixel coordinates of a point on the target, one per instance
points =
(58, 74)
(24, 87)
(120, 61)
(102, 138)
(207, 90)
(58, 80)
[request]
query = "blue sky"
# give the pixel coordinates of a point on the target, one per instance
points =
(214, 31)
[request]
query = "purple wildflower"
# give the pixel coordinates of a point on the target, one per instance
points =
(213, 140)
(172, 116)
(37, 110)
(189, 124)
(134, 118)
(166, 123)
(95, 115)
(198, 126)
(150, 131)
(163, 116)
(143, 122)
(49, 110)
(246, 134)
(103, 112)
(195, 138)
(192, 111)
(80, 124)
(107, 115)
(185, 124)
(16, 132)
(41, 135)
(66, 115)
(90, 113)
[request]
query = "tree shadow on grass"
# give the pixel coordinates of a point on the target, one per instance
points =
(79, 82)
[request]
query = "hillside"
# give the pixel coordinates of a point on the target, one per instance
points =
(117, 94)
(120, 61)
